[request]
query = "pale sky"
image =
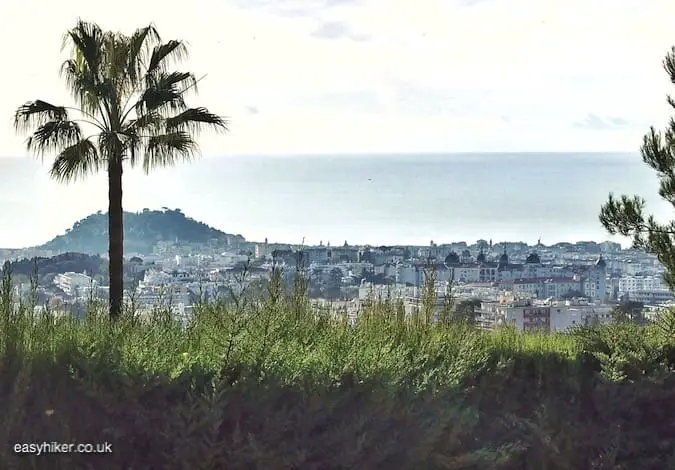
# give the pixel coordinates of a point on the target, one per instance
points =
(351, 76)
(334, 76)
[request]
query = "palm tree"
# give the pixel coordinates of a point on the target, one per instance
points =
(135, 109)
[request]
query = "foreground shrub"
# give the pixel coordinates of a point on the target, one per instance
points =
(272, 384)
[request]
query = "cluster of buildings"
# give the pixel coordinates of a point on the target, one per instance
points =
(543, 287)
(527, 314)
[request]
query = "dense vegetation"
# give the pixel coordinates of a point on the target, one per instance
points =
(93, 265)
(267, 382)
(142, 230)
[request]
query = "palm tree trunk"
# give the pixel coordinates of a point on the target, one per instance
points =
(115, 237)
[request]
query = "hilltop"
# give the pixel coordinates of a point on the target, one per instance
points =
(142, 230)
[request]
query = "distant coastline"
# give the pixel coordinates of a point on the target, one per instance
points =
(405, 199)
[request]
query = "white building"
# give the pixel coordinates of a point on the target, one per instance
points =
(414, 305)
(230, 259)
(381, 292)
(156, 277)
(565, 315)
(72, 283)
(652, 296)
(520, 313)
(465, 273)
(528, 315)
(546, 288)
(631, 283)
(628, 266)
(315, 255)
(174, 297)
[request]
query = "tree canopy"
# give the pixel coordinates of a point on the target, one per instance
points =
(63, 263)
(626, 216)
(130, 106)
(130, 111)
(142, 230)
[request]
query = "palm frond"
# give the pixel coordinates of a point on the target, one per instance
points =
(157, 98)
(87, 40)
(150, 121)
(36, 113)
(194, 119)
(53, 136)
(163, 54)
(116, 59)
(140, 45)
(77, 161)
(166, 149)
(181, 81)
(133, 146)
(84, 71)
(165, 91)
(137, 132)
(84, 88)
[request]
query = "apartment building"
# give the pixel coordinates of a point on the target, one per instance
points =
(72, 283)
(545, 288)
(633, 283)
(652, 297)
(528, 315)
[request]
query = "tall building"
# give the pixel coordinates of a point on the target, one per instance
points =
(595, 283)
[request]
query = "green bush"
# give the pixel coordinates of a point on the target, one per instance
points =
(269, 383)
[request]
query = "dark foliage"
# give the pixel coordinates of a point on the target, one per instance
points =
(142, 231)
(63, 263)
(512, 414)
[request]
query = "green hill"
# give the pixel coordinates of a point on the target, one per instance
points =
(23, 269)
(142, 230)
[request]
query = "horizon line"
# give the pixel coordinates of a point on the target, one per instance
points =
(625, 243)
(424, 153)
(397, 153)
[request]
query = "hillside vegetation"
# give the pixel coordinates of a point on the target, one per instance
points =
(93, 265)
(142, 230)
(266, 382)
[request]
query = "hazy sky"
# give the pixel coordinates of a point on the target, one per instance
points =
(363, 76)
(350, 76)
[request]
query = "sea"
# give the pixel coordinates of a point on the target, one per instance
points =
(358, 199)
